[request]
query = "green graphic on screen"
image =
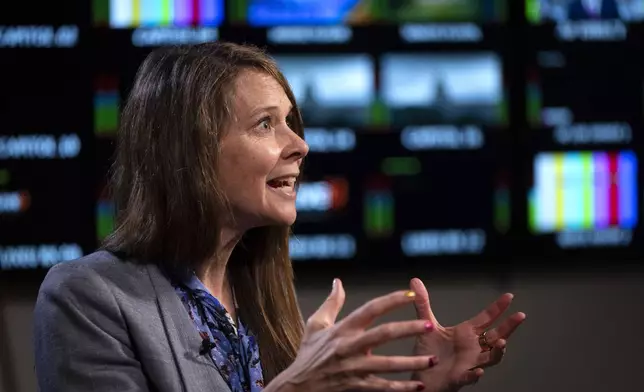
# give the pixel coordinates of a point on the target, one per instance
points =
(379, 213)
(502, 207)
(106, 106)
(104, 218)
(360, 12)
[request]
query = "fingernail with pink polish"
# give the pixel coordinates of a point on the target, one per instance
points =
(429, 326)
(433, 361)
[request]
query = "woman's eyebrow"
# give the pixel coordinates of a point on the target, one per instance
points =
(268, 108)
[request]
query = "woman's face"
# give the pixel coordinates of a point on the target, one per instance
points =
(260, 155)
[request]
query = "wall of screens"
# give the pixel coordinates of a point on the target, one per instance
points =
(461, 129)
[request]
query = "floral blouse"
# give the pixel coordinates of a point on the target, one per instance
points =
(233, 349)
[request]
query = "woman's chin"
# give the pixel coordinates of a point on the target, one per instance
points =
(287, 220)
(284, 218)
(276, 217)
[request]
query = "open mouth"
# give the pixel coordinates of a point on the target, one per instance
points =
(284, 186)
(282, 183)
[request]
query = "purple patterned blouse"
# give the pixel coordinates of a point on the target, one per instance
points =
(234, 350)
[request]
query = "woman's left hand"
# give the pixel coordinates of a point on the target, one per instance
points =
(461, 348)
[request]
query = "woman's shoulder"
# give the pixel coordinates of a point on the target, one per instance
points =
(98, 271)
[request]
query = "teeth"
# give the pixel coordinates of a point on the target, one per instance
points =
(290, 182)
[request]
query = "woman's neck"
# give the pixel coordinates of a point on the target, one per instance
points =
(213, 274)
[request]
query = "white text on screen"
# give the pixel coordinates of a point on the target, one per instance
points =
(592, 30)
(322, 140)
(38, 36)
(442, 137)
(444, 32)
(614, 237)
(314, 196)
(161, 36)
(443, 242)
(322, 246)
(39, 147)
(309, 35)
(34, 256)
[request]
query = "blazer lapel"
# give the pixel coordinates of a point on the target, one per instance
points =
(198, 372)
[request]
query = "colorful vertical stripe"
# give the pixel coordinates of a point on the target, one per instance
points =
(160, 13)
(602, 184)
(502, 210)
(104, 219)
(533, 102)
(533, 11)
(101, 11)
(584, 191)
(559, 191)
(588, 198)
(106, 106)
(339, 192)
(379, 213)
(627, 180)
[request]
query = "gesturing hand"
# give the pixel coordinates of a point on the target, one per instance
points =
(460, 347)
(337, 357)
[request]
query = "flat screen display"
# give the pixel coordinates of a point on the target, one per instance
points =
(464, 88)
(363, 12)
(128, 14)
(539, 11)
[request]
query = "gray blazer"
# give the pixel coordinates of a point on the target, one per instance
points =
(104, 324)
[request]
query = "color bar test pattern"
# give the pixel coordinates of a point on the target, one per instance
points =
(584, 191)
(158, 13)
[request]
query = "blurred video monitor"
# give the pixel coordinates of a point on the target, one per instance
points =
(588, 198)
(419, 89)
(397, 200)
(539, 11)
(359, 12)
(126, 14)
(326, 223)
(302, 12)
(328, 202)
(435, 212)
(46, 159)
(37, 37)
(444, 11)
(331, 90)
(585, 99)
(45, 25)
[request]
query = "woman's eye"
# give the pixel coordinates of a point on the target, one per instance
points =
(265, 124)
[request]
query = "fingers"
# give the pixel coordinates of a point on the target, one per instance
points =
(385, 364)
(383, 334)
(470, 377)
(492, 357)
(421, 301)
(367, 313)
(328, 312)
(486, 359)
(377, 384)
(487, 317)
(506, 328)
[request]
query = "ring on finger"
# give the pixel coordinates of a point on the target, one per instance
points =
(485, 345)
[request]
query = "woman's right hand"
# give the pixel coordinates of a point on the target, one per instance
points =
(337, 357)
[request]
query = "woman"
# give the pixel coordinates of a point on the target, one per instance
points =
(193, 290)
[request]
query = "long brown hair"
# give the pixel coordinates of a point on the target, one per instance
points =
(168, 200)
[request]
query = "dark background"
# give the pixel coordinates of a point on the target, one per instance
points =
(469, 200)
